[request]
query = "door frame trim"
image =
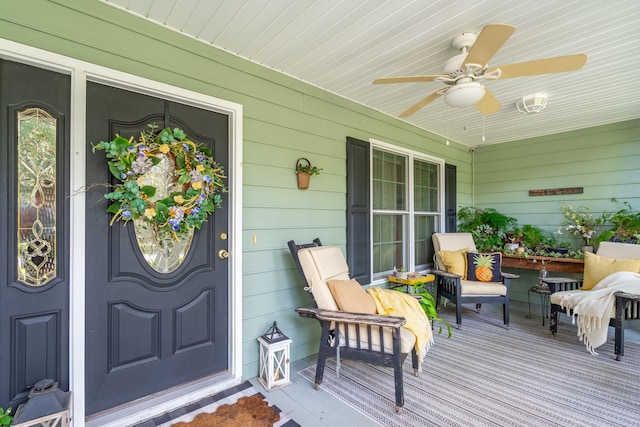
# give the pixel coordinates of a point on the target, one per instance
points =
(81, 72)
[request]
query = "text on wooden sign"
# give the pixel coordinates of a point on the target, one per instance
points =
(556, 191)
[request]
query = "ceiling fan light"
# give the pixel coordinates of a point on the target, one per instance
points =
(464, 94)
(532, 103)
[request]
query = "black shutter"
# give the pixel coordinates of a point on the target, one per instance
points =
(358, 210)
(451, 218)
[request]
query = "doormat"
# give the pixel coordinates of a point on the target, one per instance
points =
(242, 405)
(252, 411)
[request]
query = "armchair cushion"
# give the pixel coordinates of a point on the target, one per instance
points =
(320, 264)
(455, 262)
(451, 242)
(350, 296)
(469, 287)
(484, 267)
(597, 268)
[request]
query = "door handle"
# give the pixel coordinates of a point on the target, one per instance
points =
(223, 254)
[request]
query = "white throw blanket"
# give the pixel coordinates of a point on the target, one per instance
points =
(594, 308)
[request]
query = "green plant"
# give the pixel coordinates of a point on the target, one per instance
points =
(5, 417)
(581, 222)
(175, 208)
(311, 170)
(428, 304)
(532, 237)
(626, 226)
(488, 227)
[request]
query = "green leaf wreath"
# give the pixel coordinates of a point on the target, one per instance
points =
(199, 176)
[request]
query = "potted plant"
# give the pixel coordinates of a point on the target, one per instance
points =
(514, 239)
(626, 226)
(304, 170)
(487, 226)
(533, 237)
(581, 222)
(428, 304)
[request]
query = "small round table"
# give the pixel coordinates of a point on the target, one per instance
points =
(543, 290)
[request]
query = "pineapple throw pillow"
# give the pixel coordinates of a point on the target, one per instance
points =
(484, 267)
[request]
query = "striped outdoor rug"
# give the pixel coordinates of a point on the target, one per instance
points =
(486, 375)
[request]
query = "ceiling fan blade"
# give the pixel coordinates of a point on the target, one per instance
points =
(406, 79)
(488, 104)
(420, 104)
(559, 64)
(491, 38)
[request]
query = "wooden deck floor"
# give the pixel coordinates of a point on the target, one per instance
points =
(318, 408)
(309, 407)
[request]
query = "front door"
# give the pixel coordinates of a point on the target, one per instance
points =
(150, 327)
(34, 229)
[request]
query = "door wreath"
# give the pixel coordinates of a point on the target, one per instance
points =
(194, 192)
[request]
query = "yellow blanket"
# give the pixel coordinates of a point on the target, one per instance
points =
(394, 303)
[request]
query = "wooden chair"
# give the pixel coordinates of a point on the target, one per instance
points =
(627, 306)
(451, 247)
(370, 338)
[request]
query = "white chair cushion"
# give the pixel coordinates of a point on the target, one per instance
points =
(618, 250)
(320, 264)
(451, 242)
(556, 297)
(470, 287)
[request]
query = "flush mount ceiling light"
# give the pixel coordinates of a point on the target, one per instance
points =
(532, 103)
(464, 94)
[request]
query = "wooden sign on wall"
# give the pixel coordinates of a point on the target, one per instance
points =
(556, 191)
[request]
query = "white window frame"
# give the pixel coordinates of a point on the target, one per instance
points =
(409, 233)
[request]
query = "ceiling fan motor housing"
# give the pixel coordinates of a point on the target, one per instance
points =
(453, 66)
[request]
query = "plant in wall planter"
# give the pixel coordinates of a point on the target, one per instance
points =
(304, 170)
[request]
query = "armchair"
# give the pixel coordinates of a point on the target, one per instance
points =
(366, 337)
(451, 283)
(611, 257)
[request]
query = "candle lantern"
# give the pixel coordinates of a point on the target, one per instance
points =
(275, 349)
(47, 406)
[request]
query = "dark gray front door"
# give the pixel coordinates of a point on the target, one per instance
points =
(34, 229)
(147, 331)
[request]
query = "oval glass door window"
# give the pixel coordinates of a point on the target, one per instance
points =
(163, 253)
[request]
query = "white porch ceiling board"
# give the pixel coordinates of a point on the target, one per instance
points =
(343, 45)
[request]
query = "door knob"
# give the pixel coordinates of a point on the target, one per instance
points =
(223, 254)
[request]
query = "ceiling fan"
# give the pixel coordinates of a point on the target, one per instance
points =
(464, 73)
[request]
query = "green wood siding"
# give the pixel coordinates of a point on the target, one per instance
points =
(284, 119)
(603, 160)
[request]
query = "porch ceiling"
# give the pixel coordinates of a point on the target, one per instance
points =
(342, 46)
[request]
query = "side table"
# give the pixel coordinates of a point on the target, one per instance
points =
(552, 283)
(543, 290)
(413, 283)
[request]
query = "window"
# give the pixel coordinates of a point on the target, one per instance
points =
(407, 202)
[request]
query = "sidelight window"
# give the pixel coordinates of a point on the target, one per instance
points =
(36, 179)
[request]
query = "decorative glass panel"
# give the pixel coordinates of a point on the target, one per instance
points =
(163, 253)
(36, 216)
